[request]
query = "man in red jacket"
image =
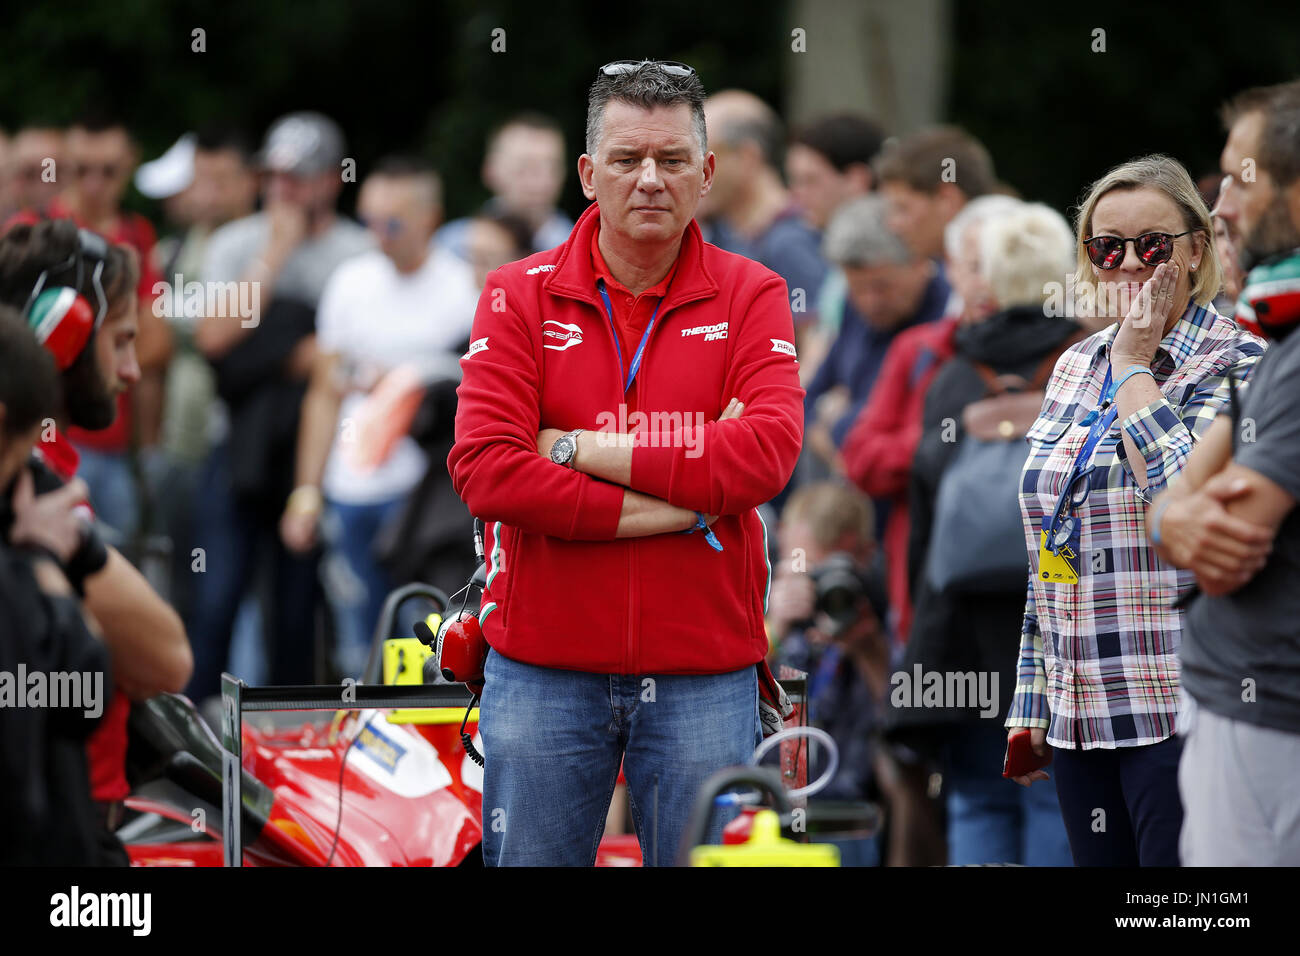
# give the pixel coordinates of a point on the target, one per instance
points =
(620, 392)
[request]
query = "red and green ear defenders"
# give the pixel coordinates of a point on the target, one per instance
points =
(60, 317)
(1270, 299)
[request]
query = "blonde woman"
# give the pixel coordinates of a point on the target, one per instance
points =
(1098, 666)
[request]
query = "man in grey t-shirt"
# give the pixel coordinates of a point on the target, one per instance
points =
(1231, 519)
(1241, 653)
(1240, 711)
(281, 259)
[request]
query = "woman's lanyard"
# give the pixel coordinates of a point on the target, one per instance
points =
(1059, 530)
(618, 343)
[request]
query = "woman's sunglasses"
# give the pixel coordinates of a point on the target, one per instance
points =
(1153, 248)
(671, 67)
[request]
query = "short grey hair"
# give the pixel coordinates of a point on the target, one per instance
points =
(647, 86)
(979, 209)
(858, 235)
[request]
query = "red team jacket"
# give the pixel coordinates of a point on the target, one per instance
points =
(562, 591)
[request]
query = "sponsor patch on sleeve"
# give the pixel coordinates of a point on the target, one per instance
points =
(560, 335)
(478, 345)
(784, 347)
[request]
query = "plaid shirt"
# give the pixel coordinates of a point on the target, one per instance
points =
(1099, 659)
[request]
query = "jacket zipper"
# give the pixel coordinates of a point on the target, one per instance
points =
(632, 635)
(628, 654)
(633, 661)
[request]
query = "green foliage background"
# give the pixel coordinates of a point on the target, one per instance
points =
(404, 75)
(1056, 115)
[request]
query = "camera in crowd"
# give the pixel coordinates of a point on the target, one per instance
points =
(844, 588)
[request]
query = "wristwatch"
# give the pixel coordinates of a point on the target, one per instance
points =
(565, 448)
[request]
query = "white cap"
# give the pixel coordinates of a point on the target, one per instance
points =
(170, 173)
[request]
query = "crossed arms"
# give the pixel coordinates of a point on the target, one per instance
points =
(622, 485)
(1220, 517)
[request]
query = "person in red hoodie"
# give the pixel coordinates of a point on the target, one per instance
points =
(629, 399)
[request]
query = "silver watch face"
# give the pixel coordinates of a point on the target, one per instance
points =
(563, 449)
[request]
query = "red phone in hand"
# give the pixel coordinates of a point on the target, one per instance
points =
(1021, 758)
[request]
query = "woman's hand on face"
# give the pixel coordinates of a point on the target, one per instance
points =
(1038, 743)
(1144, 326)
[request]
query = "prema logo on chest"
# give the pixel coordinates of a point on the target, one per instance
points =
(560, 335)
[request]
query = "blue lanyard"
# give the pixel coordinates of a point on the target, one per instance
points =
(709, 536)
(618, 343)
(1099, 419)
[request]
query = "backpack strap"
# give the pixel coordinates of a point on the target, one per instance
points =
(1012, 404)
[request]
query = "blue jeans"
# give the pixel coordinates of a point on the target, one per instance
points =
(992, 819)
(356, 583)
(553, 740)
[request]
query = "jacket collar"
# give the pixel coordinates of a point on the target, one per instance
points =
(574, 277)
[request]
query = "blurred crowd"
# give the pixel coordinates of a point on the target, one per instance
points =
(282, 384)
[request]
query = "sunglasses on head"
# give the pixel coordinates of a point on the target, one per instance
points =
(671, 67)
(1153, 248)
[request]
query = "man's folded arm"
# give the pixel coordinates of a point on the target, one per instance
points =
(731, 466)
(494, 464)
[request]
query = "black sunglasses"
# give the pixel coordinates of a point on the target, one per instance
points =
(671, 67)
(1153, 248)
